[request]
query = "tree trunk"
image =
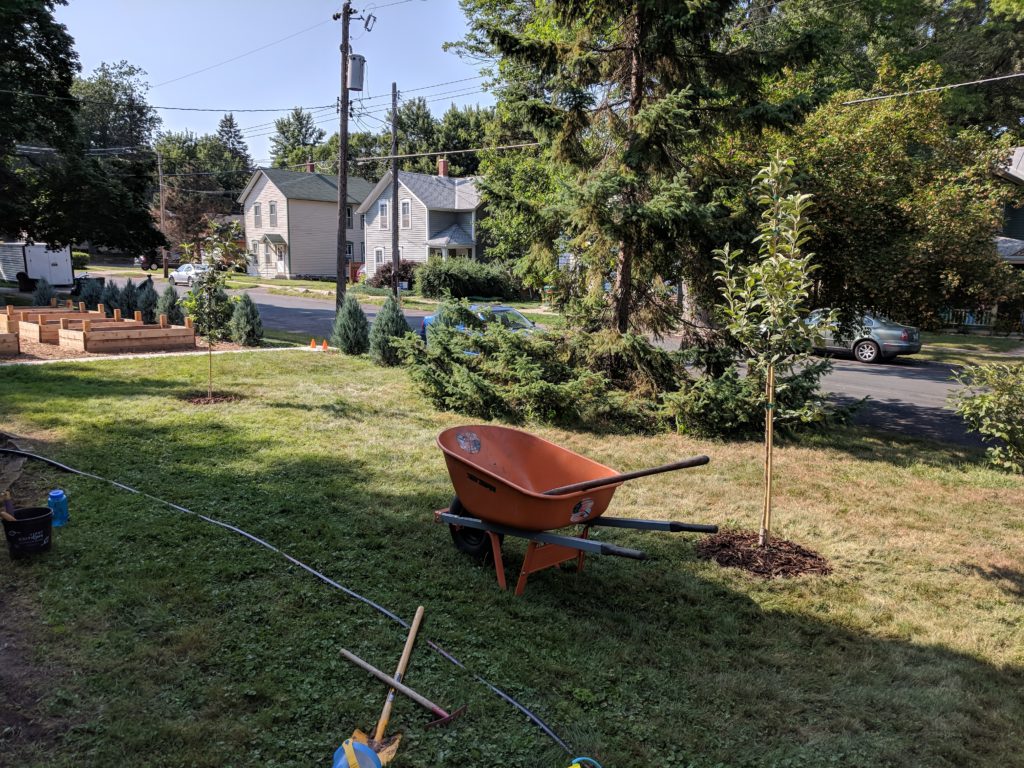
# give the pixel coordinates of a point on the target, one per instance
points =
(209, 380)
(623, 289)
(764, 537)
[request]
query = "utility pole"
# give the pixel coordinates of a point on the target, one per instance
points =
(160, 182)
(339, 296)
(395, 213)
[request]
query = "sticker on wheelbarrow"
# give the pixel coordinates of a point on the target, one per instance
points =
(582, 510)
(468, 441)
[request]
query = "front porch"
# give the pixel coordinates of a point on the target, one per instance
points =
(451, 242)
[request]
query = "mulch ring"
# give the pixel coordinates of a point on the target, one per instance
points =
(202, 398)
(781, 559)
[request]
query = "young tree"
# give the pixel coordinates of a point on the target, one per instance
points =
(210, 309)
(766, 308)
(246, 326)
(129, 299)
(147, 299)
(296, 131)
(111, 297)
(389, 325)
(351, 332)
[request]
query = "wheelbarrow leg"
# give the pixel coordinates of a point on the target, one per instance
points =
(540, 556)
(499, 565)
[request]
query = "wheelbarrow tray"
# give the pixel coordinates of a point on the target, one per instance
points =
(500, 475)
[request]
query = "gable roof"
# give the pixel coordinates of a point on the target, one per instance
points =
(437, 193)
(452, 236)
(1014, 169)
(301, 185)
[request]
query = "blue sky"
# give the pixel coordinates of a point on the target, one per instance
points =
(177, 37)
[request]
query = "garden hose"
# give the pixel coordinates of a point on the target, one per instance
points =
(535, 719)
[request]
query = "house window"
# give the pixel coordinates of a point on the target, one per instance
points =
(255, 247)
(362, 221)
(273, 213)
(378, 256)
(382, 215)
(348, 217)
(362, 251)
(401, 255)
(348, 251)
(406, 214)
(257, 217)
(266, 253)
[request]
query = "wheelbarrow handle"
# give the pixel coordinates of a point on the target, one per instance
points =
(586, 485)
(614, 549)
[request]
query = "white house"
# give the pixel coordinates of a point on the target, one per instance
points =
(437, 216)
(291, 223)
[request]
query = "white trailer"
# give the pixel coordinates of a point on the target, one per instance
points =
(37, 261)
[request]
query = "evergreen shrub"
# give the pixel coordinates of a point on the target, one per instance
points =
(246, 326)
(168, 305)
(351, 332)
(43, 293)
(389, 325)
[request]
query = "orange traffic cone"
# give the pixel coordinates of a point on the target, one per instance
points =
(312, 343)
(324, 346)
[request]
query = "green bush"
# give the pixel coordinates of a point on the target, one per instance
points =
(129, 299)
(351, 332)
(111, 297)
(487, 371)
(146, 300)
(168, 305)
(209, 307)
(406, 273)
(389, 325)
(43, 293)
(246, 326)
(464, 278)
(992, 404)
(91, 293)
(79, 260)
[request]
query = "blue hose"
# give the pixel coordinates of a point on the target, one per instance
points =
(536, 720)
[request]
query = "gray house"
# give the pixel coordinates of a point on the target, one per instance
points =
(437, 216)
(291, 223)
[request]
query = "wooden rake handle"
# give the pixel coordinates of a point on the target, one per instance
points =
(586, 485)
(403, 664)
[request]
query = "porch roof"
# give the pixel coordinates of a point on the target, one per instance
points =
(274, 239)
(452, 237)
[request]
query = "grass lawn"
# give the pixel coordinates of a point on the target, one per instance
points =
(155, 638)
(965, 349)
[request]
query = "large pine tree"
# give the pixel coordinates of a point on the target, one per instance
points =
(626, 96)
(231, 137)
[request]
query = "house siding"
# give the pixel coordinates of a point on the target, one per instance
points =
(412, 241)
(264, 192)
(315, 238)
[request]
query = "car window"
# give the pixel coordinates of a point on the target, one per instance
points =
(510, 318)
(868, 322)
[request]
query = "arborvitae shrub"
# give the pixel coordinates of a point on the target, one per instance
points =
(389, 325)
(168, 305)
(43, 293)
(246, 326)
(351, 333)
(111, 297)
(146, 301)
(129, 299)
(91, 293)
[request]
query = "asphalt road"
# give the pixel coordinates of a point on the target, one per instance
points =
(907, 396)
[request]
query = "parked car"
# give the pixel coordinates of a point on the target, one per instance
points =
(187, 274)
(877, 338)
(507, 316)
(157, 261)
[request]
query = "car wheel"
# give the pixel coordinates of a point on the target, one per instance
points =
(866, 351)
(471, 541)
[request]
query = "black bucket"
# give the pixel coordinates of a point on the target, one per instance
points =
(30, 533)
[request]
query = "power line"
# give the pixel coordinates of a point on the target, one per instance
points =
(151, 106)
(243, 55)
(421, 88)
(373, 158)
(932, 90)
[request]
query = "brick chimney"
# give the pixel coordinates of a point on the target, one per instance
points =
(310, 167)
(442, 166)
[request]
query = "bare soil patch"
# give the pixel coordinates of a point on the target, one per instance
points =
(34, 351)
(782, 559)
(202, 398)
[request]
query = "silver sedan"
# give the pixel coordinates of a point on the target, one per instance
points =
(876, 339)
(187, 274)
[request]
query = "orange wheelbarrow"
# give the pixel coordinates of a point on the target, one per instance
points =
(511, 483)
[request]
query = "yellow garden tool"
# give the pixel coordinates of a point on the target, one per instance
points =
(386, 749)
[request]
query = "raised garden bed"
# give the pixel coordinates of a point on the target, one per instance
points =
(9, 344)
(105, 337)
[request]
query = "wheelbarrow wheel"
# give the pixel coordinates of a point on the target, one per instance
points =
(471, 541)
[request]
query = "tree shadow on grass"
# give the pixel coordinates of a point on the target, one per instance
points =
(661, 662)
(1010, 580)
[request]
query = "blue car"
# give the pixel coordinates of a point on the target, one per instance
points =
(507, 316)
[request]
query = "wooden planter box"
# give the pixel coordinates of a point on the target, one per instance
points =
(12, 316)
(118, 337)
(45, 328)
(8, 344)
